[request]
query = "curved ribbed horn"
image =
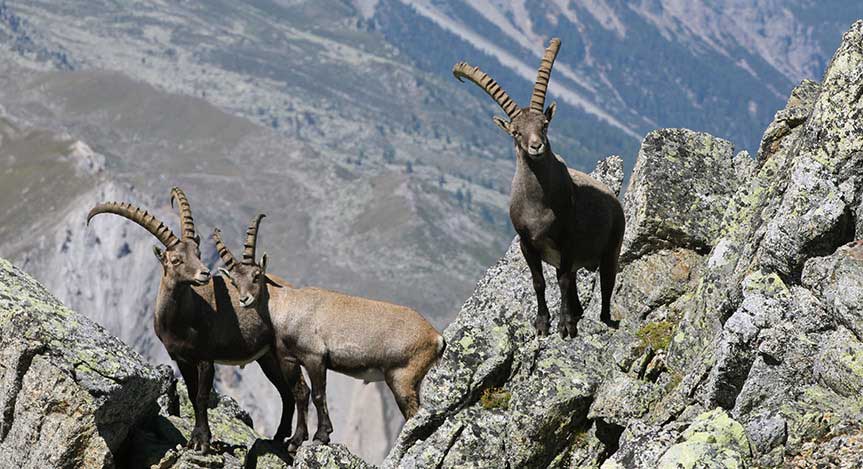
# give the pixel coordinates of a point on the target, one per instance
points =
(224, 252)
(537, 99)
(139, 216)
(186, 220)
(487, 83)
(252, 240)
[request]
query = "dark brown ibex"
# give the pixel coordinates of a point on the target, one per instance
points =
(366, 339)
(201, 321)
(562, 216)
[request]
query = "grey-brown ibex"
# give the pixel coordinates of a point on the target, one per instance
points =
(366, 339)
(201, 321)
(562, 216)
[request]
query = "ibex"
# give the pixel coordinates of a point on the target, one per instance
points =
(562, 216)
(201, 321)
(366, 339)
(250, 280)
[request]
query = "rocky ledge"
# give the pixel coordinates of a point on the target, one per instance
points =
(741, 300)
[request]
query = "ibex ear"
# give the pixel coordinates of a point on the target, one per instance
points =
(158, 252)
(264, 264)
(549, 111)
(503, 124)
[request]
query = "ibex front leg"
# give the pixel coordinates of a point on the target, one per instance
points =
(199, 380)
(567, 281)
(272, 369)
(534, 262)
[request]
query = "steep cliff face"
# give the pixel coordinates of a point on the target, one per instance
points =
(740, 295)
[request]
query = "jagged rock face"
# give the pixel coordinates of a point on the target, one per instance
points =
(740, 299)
(333, 456)
(69, 392)
(547, 383)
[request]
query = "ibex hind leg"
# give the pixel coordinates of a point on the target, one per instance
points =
(404, 387)
(607, 276)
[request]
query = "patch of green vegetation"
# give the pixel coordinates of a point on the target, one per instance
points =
(675, 377)
(656, 335)
(495, 398)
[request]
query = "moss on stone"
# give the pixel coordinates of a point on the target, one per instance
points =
(495, 398)
(656, 335)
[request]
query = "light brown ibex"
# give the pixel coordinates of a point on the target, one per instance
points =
(562, 216)
(250, 279)
(366, 339)
(201, 321)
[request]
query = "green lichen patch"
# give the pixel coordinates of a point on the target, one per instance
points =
(495, 398)
(714, 439)
(656, 335)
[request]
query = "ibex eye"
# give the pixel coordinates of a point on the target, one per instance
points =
(176, 261)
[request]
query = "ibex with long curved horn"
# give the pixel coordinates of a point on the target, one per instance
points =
(201, 321)
(562, 216)
(366, 339)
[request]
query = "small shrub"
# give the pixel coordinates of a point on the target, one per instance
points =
(495, 398)
(656, 335)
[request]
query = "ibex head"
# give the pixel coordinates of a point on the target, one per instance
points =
(527, 126)
(181, 259)
(247, 276)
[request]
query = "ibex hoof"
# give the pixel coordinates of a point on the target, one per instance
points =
(541, 327)
(321, 439)
(294, 445)
(561, 329)
(611, 323)
(568, 329)
(199, 441)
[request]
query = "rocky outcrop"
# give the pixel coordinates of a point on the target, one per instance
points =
(740, 295)
(69, 392)
(71, 395)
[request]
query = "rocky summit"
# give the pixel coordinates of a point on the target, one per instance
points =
(741, 304)
(740, 297)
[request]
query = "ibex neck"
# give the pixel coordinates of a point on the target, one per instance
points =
(541, 168)
(168, 302)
